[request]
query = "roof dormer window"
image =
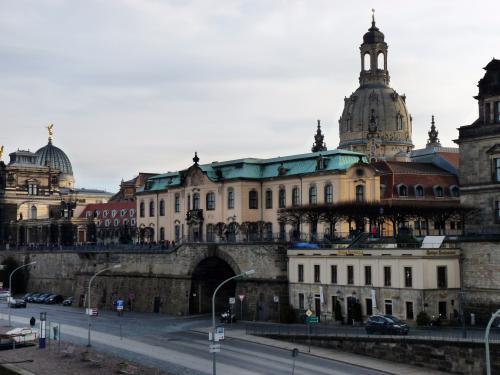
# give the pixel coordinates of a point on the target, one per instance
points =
(438, 191)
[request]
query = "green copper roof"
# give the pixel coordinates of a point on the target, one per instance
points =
(257, 169)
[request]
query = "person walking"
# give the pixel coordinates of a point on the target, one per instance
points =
(32, 321)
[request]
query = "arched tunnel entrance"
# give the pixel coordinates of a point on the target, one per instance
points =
(207, 275)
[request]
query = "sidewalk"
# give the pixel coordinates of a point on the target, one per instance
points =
(395, 368)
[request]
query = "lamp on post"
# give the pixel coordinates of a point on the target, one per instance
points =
(41, 339)
(249, 272)
(88, 298)
(10, 284)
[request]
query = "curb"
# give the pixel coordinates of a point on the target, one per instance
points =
(16, 370)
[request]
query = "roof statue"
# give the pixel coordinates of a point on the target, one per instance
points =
(318, 144)
(433, 140)
(196, 159)
(51, 132)
(1, 152)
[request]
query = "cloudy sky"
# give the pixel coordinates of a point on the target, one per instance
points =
(139, 85)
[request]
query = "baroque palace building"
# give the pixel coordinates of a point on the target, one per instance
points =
(39, 197)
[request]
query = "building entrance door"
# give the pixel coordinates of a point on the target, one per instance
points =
(156, 305)
(317, 305)
(350, 308)
(442, 310)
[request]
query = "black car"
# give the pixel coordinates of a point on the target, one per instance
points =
(17, 303)
(32, 297)
(53, 299)
(40, 298)
(68, 301)
(386, 325)
(26, 296)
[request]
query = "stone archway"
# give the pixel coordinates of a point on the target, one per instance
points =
(206, 276)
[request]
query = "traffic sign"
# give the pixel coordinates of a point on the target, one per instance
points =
(241, 297)
(309, 313)
(276, 299)
(214, 348)
(91, 312)
(232, 300)
(312, 319)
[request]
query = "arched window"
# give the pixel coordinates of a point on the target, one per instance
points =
(454, 191)
(253, 200)
(196, 201)
(419, 191)
(162, 208)
(313, 196)
(210, 201)
(230, 198)
(403, 191)
(328, 194)
(177, 233)
(189, 202)
(360, 193)
(210, 233)
(33, 212)
(151, 208)
(399, 122)
(366, 62)
(380, 61)
(269, 198)
(295, 197)
(162, 234)
(282, 198)
(141, 209)
(438, 191)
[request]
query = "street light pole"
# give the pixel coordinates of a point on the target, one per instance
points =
(487, 341)
(10, 284)
(88, 297)
(249, 272)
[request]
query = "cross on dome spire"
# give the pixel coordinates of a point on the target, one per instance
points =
(318, 144)
(373, 17)
(433, 140)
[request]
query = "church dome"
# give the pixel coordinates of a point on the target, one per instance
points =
(54, 157)
(375, 119)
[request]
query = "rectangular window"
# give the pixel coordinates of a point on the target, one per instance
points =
(350, 275)
(387, 276)
(388, 306)
(408, 277)
(452, 225)
(334, 303)
(253, 202)
(300, 271)
(409, 310)
(333, 274)
(282, 232)
(177, 203)
(496, 166)
(269, 199)
(317, 275)
(442, 277)
(368, 275)
(301, 301)
(497, 211)
(230, 199)
(282, 198)
(497, 112)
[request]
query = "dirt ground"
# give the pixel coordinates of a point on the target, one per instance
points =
(51, 361)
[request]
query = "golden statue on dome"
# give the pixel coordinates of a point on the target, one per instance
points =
(51, 131)
(1, 152)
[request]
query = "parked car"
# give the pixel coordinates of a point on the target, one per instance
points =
(17, 303)
(26, 296)
(68, 301)
(41, 297)
(32, 297)
(53, 299)
(386, 325)
(4, 294)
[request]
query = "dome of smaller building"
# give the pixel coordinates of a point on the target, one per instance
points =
(54, 157)
(374, 35)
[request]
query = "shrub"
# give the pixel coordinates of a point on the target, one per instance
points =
(423, 319)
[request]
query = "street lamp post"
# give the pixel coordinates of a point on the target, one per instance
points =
(10, 284)
(249, 272)
(487, 341)
(88, 297)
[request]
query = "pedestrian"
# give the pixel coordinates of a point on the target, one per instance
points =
(32, 321)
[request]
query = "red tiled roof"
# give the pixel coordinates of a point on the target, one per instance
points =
(116, 212)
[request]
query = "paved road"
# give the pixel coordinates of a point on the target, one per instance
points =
(169, 343)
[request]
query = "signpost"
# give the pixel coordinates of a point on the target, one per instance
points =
(295, 353)
(276, 299)
(119, 307)
(214, 348)
(92, 311)
(311, 319)
(232, 300)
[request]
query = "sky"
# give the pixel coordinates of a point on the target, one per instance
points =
(140, 85)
